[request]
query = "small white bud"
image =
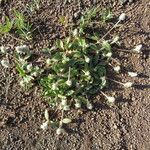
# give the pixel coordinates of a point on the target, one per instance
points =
(122, 17)
(22, 49)
(60, 131)
(48, 61)
(64, 102)
(5, 63)
(78, 105)
(87, 59)
(128, 84)
(108, 55)
(69, 82)
(75, 32)
(117, 68)
(44, 126)
(132, 74)
(89, 106)
(29, 67)
(35, 74)
(87, 73)
(3, 49)
(66, 107)
(138, 48)
(22, 83)
(54, 86)
(111, 99)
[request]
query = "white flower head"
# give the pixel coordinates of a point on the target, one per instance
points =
(132, 74)
(69, 82)
(22, 49)
(77, 105)
(22, 83)
(66, 107)
(138, 48)
(29, 67)
(44, 126)
(128, 84)
(111, 99)
(3, 49)
(54, 86)
(35, 74)
(89, 106)
(122, 17)
(60, 131)
(117, 68)
(5, 63)
(48, 61)
(87, 59)
(108, 55)
(64, 102)
(87, 73)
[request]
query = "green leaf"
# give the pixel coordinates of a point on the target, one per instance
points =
(66, 120)
(82, 42)
(60, 44)
(6, 27)
(20, 70)
(106, 15)
(106, 46)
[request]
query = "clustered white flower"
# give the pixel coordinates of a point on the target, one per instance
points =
(44, 126)
(5, 63)
(22, 49)
(29, 67)
(69, 82)
(77, 105)
(133, 74)
(110, 99)
(4, 49)
(138, 48)
(87, 59)
(108, 55)
(128, 84)
(60, 131)
(89, 105)
(122, 17)
(117, 69)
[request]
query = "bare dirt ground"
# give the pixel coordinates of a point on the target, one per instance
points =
(122, 127)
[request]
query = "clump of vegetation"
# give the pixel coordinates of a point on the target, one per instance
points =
(33, 6)
(18, 24)
(77, 68)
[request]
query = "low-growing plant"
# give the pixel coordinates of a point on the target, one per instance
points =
(19, 24)
(33, 6)
(75, 69)
(7, 26)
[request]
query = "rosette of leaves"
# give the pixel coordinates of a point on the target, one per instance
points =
(79, 61)
(28, 72)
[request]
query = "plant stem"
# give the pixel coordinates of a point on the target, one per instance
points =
(104, 94)
(109, 31)
(62, 117)
(115, 81)
(69, 74)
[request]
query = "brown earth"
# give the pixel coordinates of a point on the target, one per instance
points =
(125, 126)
